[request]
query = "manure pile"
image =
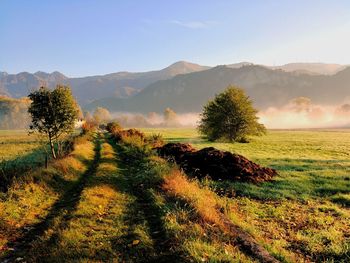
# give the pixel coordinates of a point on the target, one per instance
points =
(219, 165)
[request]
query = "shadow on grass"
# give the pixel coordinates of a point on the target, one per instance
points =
(61, 211)
(14, 168)
(144, 209)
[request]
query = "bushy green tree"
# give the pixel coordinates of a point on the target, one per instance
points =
(230, 117)
(53, 113)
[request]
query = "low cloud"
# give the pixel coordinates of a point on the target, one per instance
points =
(153, 119)
(306, 115)
(299, 113)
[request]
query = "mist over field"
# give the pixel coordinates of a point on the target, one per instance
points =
(316, 116)
(291, 116)
(154, 119)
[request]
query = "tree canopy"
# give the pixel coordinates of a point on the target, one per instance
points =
(230, 116)
(53, 113)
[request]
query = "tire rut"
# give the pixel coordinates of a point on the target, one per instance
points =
(61, 210)
(149, 211)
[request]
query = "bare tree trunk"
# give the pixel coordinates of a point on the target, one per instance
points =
(59, 149)
(52, 146)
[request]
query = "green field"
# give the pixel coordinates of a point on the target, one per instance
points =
(15, 143)
(122, 212)
(311, 164)
(306, 207)
(19, 153)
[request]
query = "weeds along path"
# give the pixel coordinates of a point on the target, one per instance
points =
(146, 239)
(57, 218)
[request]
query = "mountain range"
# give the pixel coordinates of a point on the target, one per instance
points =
(87, 89)
(266, 87)
(185, 86)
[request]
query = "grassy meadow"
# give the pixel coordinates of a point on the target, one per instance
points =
(19, 153)
(119, 201)
(306, 209)
(17, 143)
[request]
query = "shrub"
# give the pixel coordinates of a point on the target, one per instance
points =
(155, 140)
(88, 126)
(113, 127)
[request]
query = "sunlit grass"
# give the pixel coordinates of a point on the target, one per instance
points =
(28, 201)
(17, 143)
(311, 164)
(304, 213)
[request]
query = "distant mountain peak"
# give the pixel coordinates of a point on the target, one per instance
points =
(183, 67)
(240, 64)
(58, 74)
(45, 74)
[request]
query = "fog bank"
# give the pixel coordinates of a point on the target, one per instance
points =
(299, 113)
(152, 119)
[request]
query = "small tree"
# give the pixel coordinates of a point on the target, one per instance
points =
(53, 113)
(230, 117)
(170, 118)
(101, 115)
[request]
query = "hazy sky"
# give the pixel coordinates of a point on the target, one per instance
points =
(86, 37)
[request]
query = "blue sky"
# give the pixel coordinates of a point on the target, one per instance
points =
(88, 37)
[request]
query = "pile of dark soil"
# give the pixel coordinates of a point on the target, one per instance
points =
(175, 151)
(219, 165)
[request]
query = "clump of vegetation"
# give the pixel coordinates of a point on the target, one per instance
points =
(88, 127)
(230, 117)
(130, 135)
(155, 140)
(54, 114)
(114, 127)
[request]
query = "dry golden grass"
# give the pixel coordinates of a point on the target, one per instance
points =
(202, 199)
(28, 201)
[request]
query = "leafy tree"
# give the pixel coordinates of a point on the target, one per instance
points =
(53, 113)
(230, 117)
(170, 117)
(101, 115)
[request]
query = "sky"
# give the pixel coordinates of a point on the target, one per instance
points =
(91, 37)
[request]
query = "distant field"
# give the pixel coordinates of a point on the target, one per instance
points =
(17, 142)
(310, 163)
(19, 153)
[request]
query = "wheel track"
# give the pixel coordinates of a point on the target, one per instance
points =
(62, 210)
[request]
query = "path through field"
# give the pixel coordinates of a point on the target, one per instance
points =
(102, 217)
